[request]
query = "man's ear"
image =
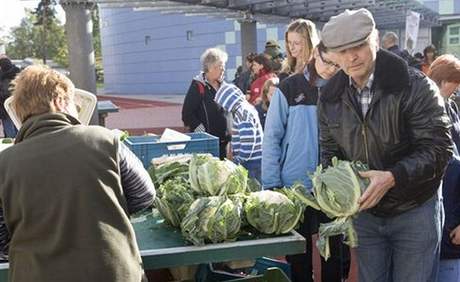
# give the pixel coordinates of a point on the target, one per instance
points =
(58, 104)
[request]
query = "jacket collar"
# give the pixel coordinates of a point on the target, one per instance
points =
(44, 123)
(391, 75)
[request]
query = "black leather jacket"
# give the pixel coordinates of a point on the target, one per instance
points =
(405, 131)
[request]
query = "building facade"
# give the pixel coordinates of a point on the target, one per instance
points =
(147, 52)
(446, 37)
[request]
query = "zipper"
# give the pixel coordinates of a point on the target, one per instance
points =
(363, 130)
(365, 142)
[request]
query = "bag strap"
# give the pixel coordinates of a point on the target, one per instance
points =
(200, 88)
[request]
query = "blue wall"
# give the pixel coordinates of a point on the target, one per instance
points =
(146, 52)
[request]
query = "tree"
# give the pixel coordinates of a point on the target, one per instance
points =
(97, 44)
(46, 16)
(26, 40)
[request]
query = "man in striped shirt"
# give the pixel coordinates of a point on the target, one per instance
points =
(247, 134)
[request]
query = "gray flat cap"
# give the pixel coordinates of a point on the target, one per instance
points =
(348, 29)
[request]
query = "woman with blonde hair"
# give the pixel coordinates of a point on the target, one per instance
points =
(301, 38)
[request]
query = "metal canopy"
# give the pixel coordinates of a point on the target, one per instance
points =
(387, 13)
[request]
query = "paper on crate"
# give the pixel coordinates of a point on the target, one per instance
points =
(170, 135)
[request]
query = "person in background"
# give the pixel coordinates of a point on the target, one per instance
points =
(8, 72)
(246, 77)
(200, 112)
(429, 55)
(445, 72)
(300, 39)
(273, 51)
(381, 112)
(290, 152)
(267, 92)
(261, 67)
(390, 42)
(67, 190)
(239, 71)
(247, 133)
(417, 61)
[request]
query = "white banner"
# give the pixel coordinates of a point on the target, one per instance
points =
(412, 25)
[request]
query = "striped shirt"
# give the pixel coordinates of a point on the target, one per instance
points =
(247, 133)
(246, 137)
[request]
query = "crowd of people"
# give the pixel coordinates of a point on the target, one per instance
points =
(339, 95)
(347, 95)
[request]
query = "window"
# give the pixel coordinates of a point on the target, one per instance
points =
(453, 35)
(189, 35)
(147, 39)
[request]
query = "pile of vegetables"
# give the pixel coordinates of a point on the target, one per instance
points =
(211, 200)
(336, 191)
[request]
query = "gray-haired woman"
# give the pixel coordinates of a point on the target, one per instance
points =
(200, 112)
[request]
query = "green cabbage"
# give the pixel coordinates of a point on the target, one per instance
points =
(212, 219)
(195, 163)
(173, 200)
(336, 190)
(161, 173)
(213, 177)
(271, 212)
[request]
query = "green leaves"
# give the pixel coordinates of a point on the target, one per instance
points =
(272, 212)
(213, 177)
(173, 200)
(215, 219)
(336, 190)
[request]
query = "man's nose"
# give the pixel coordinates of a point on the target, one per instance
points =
(351, 55)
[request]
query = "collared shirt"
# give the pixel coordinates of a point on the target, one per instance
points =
(365, 94)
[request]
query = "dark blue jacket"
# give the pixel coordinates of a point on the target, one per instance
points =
(451, 189)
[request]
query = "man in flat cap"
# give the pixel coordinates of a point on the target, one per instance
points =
(378, 111)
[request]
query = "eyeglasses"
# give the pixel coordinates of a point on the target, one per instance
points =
(327, 62)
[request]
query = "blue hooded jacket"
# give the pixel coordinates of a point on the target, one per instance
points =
(247, 134)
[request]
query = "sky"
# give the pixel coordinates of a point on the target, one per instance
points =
(12, 11)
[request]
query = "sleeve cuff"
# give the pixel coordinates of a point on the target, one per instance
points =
(399, 175)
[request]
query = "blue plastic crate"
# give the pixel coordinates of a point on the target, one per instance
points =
(147, 147)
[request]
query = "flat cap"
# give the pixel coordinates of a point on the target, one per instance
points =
(348, 29)
(272, 43)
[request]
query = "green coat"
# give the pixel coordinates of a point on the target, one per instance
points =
(63, 204)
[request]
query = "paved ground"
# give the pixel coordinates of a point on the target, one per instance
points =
(140, 114)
